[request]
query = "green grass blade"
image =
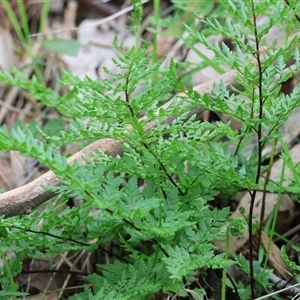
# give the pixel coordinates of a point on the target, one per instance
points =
(24, 22)
(12, 17)
(44, 15)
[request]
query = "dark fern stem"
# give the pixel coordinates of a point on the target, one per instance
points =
(296, 16)
(259, 158)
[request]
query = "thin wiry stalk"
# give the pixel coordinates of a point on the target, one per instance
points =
(260, 148)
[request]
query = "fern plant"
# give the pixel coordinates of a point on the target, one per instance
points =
(261, 70)
(170, 213)
(152, 201)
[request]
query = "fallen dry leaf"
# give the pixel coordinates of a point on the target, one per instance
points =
(19, 167)
(275, 258)
(6, 49)
(96, 50)
(7, 175)
(164, 44)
